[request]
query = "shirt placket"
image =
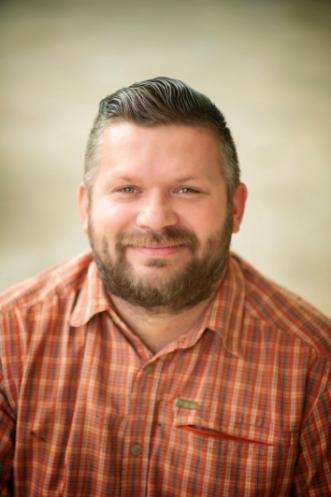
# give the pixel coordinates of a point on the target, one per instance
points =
(139, 429)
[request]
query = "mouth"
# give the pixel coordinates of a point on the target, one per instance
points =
(157, 250)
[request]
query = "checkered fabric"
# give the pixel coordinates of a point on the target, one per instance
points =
(239, 407)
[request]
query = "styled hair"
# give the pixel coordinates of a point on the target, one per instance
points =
(163, 101)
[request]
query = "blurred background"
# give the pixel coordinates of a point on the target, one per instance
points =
(265, 63)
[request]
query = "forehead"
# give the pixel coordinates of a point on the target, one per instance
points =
(127, 133)
(167, 149)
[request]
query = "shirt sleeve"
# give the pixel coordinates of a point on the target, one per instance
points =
(313, 470)
(7, 431)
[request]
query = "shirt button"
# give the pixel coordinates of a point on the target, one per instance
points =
(148, 368)
(136, 449)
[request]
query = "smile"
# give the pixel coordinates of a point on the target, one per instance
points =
(157, 250)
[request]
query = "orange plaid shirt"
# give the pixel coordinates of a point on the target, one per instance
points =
(239, 407)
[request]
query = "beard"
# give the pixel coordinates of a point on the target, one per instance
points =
(183, 289)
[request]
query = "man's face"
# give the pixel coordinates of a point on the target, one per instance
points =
(158, 217)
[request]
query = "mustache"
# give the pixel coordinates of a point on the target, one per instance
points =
(169, 236)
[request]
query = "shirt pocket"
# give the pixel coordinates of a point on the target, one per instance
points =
(218, 455)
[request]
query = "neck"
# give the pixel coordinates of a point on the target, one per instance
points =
(158, 328)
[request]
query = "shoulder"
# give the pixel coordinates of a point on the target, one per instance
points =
(285, 311)
(34, 316)
(56, 282)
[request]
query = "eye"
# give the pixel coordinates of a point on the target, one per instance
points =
(127, 189)
(187, 190)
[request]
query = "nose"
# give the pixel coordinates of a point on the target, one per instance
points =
(156, 212)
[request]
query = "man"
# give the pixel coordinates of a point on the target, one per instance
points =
(161, 365)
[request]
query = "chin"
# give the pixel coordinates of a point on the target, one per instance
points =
(152, 276)
(157, 269)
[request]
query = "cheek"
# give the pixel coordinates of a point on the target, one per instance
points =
(206, 222)
(108, 219)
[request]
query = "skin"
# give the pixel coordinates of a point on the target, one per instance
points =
(150, 179)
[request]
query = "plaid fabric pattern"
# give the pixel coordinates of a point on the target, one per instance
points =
(239, 407)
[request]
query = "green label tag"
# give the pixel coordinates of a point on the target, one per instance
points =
(188, 404)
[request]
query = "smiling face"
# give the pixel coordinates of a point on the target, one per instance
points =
(158, 217)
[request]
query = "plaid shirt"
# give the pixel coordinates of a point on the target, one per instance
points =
(239, 407)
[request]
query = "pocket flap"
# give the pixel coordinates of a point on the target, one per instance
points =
(201, 420)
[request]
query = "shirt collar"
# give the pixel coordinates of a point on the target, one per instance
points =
(224, 316)
(92, 298)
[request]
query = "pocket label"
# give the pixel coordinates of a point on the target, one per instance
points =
(187, 404)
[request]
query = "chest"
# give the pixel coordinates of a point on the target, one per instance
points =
(97, 419)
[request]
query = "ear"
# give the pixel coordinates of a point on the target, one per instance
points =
(83, 205)
(239, 202)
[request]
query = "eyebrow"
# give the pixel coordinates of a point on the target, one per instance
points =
(185, 178)
(122, 178)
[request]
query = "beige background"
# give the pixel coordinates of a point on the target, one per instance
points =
(266, 64)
